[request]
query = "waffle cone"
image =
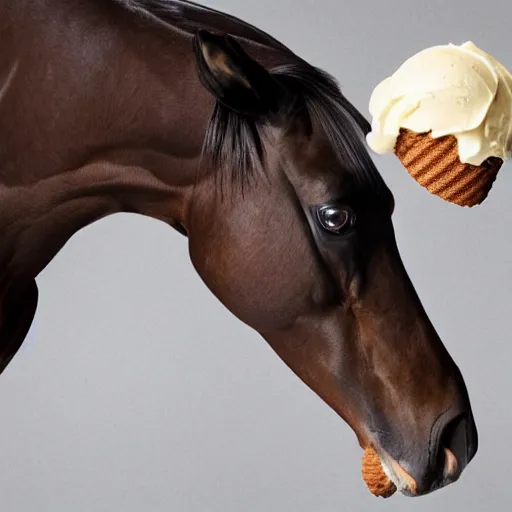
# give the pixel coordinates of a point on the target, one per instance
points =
(373, 475)
(435, 165)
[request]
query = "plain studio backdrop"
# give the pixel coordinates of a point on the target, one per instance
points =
(137, 391)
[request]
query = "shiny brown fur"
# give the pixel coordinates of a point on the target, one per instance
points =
(125, 106)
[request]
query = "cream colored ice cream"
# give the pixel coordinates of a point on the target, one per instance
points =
(447, 90)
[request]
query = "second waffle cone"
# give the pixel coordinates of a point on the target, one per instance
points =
(376, 480)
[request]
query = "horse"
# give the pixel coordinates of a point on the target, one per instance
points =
(172, 110)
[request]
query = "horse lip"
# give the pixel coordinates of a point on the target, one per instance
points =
(403, 481)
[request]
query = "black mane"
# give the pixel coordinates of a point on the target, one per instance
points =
(233, 142)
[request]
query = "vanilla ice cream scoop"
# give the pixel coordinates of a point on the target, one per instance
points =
(447, 90)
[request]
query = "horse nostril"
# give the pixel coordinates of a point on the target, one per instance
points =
(451, 464)
(453, 447)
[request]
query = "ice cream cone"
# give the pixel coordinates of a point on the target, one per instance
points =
(434, 163)
(446, 113)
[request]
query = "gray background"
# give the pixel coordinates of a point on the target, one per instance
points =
(121, 399)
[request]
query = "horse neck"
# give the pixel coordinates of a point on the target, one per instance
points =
(89, 128)
(110, 117)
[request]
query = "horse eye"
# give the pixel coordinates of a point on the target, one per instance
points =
(336, 220)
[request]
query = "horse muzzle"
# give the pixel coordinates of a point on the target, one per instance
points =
(439, 464)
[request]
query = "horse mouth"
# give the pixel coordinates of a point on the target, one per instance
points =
(384, 476)
(404, 482)
(407, 485)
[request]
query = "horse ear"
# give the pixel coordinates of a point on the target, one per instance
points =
(235, 79)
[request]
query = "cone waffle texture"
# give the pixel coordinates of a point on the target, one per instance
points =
(435, 165)
(376, 480)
